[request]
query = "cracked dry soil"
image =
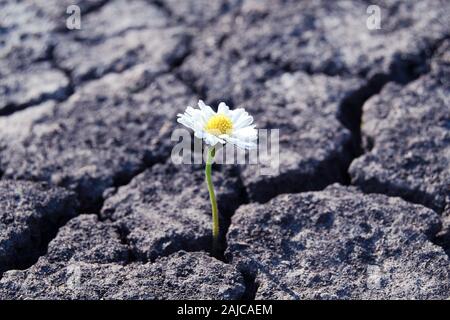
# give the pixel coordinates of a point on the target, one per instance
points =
(91, 206)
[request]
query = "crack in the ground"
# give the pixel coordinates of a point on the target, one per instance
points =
(90, 10)
(67, 73)
(409, 70)
(60, 96)
(202, 244)
(251, 286)
(123, 237)
(160, 4)
(226, 223)
(350, 111)
(71, 88)
(179, 19)
(42, 231)
(65, 93)
(350, 117)
(190, 83)
(95, 7)
(350, 114)
(79, 211)
(119, 179)
(442, 236)
(402, 72)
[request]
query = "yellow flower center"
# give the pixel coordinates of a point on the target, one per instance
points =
(219, 124)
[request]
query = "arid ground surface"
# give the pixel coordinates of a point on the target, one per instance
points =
(92, 207)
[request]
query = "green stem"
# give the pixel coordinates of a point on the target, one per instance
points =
(212, 197)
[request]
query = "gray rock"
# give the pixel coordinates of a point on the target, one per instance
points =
(167, 208)
(333, 38)
(88, 261)
(87, 61)
(30, 215)
(118, 36)
(339, 244)
(300, 66)
(56, 12)
(180, 276)
(102, 136)
(115, 18)
(229, 79)
(200, 13)
(408, 129)
(316, 37)
(89, 240)
(17, 126)
(35, 84)
(315, 147)
(29, 29)
(25, 36)
(219, 74)
(443, 236)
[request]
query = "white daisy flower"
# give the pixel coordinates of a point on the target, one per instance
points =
(223, 126)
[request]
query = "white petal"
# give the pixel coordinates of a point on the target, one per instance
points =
(223, 109)
(207, 110)
(199, 134)
(243, 144)
(189, 111)
(246, 133)
(212, 140)
(193, 119)
(186, 121)
(243, 121)
(236, 114)
(198, 116)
